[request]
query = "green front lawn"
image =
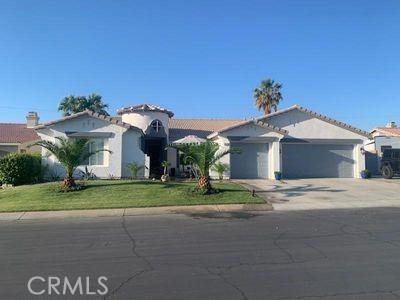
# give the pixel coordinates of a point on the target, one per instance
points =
(117, 194)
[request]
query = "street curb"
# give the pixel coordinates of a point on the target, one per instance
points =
(120, 212)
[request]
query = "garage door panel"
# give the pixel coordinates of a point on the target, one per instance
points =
(252, 162)
(317, 160)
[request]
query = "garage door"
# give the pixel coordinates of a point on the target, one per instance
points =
(317, 160)
(251, 163)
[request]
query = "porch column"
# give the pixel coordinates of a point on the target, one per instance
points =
(274, 158)
(359, 161)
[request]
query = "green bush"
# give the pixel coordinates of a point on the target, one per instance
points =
(21, 168)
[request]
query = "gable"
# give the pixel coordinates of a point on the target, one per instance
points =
(247, 129)
(83, 123)
(304, 125)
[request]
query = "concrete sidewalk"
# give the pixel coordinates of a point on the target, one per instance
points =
(119, 212)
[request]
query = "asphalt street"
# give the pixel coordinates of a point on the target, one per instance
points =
(330, 254)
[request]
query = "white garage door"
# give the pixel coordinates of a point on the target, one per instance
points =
(317, 160)
(251, 163)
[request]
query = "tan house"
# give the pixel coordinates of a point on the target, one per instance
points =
(15, 137)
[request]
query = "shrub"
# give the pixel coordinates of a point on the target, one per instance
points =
(366, 174)
(134, 169)
(21, 168)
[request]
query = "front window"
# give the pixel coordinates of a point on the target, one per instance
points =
(384, 147)
(156, 125)
(98, 158)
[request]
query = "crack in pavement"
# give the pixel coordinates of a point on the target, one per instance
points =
(286, 252)
(136, 254)
(372, 236)
(226, 281)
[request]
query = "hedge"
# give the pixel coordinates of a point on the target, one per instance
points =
(20, 168)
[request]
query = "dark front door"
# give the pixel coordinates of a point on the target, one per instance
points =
(155, 149)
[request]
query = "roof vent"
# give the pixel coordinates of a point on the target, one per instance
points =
(391, 125)
(32, 119)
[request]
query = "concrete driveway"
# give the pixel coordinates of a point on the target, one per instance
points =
(305, 194)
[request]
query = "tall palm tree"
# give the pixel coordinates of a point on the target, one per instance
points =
(70, 154)
(74, 104)
(267, 96)
(203, 157)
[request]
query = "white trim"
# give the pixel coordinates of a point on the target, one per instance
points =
(10, 144)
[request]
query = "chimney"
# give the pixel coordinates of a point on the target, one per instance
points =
(32, 119)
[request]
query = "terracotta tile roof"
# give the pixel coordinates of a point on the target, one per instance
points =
(179, 128)
(16, 133)
(145, 107)
(388, 131)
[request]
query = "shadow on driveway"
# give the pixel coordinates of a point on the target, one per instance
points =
(296, 191)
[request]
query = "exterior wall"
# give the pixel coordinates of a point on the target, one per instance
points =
(303, 126)
(224, 145)
(113, 161)
(251, 131)
(34, 149)
(380, 141)
(5, 149)
(18, 148)
(172, 159)
(255, 134)
(359, 160)
(144, 119)
(131, 152)
(299, 125)
(275, 160)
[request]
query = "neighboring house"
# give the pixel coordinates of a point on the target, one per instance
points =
(296, 141)
(387, 137)
(16, 137)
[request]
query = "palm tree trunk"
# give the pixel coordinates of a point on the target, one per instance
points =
(69, 182)
(69, 178)
(267, 110)
(204, 184)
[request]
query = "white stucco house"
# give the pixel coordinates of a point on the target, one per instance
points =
(296, 141)
(386, 137)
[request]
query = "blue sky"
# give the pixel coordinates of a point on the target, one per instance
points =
(202, 58)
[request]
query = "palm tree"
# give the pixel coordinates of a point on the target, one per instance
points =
(74, 104)
(267, 96)
(134, 168)
(220, 168)
(203, 157)
(165, 164)
(70, 154)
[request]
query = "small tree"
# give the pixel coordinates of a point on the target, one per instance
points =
(165, 164)
(203, 157)
(220, 168)
(70, 154)
(134, 169)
